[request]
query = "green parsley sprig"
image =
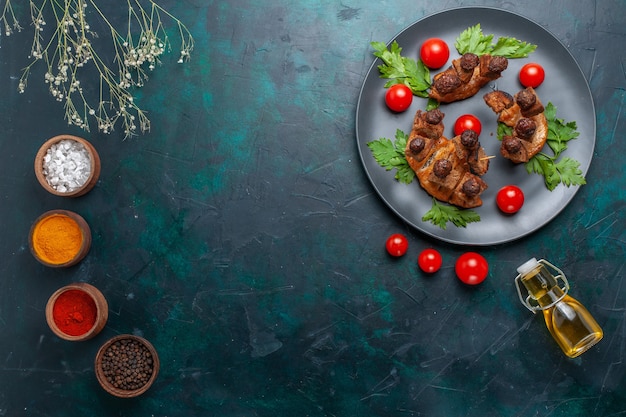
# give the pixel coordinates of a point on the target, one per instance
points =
(473, 40)
(390, 155)
(441, 214)
(555, 171)
(402, 70)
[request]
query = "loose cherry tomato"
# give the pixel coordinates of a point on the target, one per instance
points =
(429, 260)
(467, 122)
(471, 268)
(399, 97)
(397, 244)
(434, 53)
(510, 199)
(532, 75)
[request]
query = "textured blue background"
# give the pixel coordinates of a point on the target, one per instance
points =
(243, 239)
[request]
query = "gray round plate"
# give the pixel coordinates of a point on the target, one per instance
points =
(565, 86)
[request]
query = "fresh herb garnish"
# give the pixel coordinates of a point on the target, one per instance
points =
(441, 214)
(390, 155)
(565, 171)
(559, 131)
(503, 130)
(473, 40)
(402, 70)
(432, 104)
(555, 171)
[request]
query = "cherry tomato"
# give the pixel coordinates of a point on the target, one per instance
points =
(399, 97)
(397, 244)
(434, 53)
(467, 122)
(471, 268)
(532, 75)
(429, 260)
(510, 199)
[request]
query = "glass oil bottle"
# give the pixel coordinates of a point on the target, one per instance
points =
(569, 322)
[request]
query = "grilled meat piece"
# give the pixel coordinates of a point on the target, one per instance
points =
(529, 103)
(469, 139)
(466, 76)
(442, 167)
(428, 124)
(467, 193)
(499, 100)
(524, 113)
(525, 128)
(513, 149)
(447, 82)
(448, 169)
(427, 129)
(468, 62)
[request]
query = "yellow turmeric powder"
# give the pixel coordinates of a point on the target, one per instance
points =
(57, 239)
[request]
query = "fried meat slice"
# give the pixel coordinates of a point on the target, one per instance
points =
(524, 114)
(466, 76)
(468, 191)
(448, 169)
(426, 132)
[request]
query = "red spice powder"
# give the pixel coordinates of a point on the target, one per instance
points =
(74, 312)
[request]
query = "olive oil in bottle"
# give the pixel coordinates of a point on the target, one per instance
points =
(569, 322)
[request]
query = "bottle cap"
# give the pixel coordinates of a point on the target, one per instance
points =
(527, 266)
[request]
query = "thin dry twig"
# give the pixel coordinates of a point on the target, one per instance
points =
(69, 51)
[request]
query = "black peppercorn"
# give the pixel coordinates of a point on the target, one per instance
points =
(127, 364)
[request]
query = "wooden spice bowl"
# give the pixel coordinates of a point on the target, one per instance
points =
(71, 309)
(92, 178)
(46, 239)
(112, 361)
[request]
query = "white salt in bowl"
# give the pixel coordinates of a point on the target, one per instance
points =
(67, 166)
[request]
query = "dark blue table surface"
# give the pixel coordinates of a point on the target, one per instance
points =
(242, 237)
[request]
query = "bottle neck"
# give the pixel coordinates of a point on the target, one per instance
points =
(543, 287)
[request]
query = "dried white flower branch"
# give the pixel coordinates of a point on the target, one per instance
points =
(68, 53)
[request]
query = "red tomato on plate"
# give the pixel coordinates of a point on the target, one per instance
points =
(532, 75)
(510, 199)
(467, 122)
(434, 53)
(399, 97)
